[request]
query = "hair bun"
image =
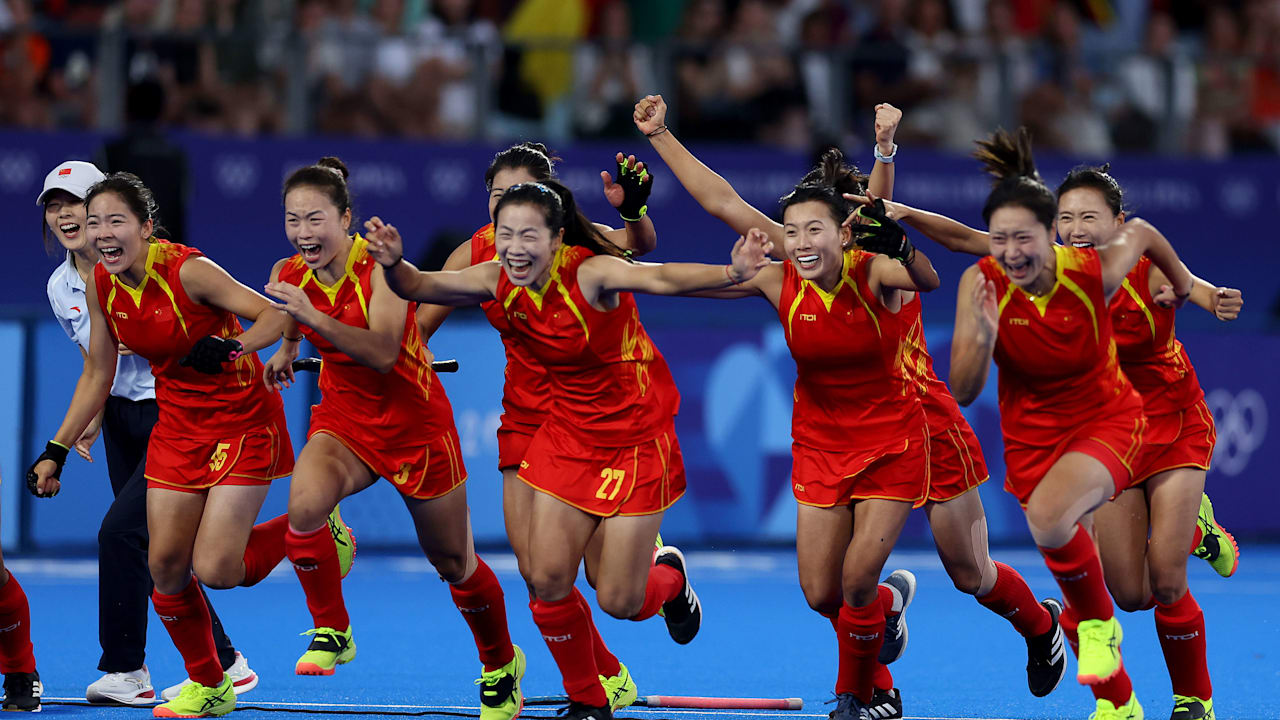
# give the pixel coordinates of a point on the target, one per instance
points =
(335, 164)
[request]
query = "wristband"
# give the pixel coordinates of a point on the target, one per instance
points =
(729, 275)
(659, 131)
(640, 216)
(297, 339)
(887, 159)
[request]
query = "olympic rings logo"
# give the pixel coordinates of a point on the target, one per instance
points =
(1241, 421)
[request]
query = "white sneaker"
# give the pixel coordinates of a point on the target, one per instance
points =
(126, 688)
(243, 679)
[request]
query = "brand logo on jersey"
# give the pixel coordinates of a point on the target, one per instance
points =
(402, 475)
(809, 317)
(1019, 321)
(524, 465)
(122, 315)
(76, 308)
(520, 315)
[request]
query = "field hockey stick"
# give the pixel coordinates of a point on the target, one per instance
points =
(312, 364)
(683, 701)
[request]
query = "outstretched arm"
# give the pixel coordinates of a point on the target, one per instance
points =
(471, 286)
(712, 192)
(603, 274)
(430, 317)
(1136, 238)
(977, 318)
(950, 234)
(1225, 303)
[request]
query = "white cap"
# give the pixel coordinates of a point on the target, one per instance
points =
(74, 176)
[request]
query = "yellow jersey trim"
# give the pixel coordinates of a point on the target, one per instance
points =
(1133, 293)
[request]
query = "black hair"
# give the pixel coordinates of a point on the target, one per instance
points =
(329, 176)
(532, 156)
(1007, 157)
(1095, 178)
(560, 211)
(129, 188)
(827, 183)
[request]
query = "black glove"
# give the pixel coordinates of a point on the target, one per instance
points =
(636, 187)
(209, 352)
(882, 235)
(52, 451)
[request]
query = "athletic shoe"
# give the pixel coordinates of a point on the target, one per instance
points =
(1131, 710)
(1191, 708)
(849, 707)
(620, 689)
(1099, 657)
(328, 649)
(22, 692)
(500, 696)
(1046, 655)
(903, 584)
(885, 705)
(344, 540)
(581, 711)
(684, 613)
(197, 701)
(1217, 546)
(243, 679)
(123, 688)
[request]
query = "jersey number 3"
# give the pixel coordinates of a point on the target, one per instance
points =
(611, 475)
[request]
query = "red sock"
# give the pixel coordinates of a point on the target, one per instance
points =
(16, 654)
(1195, 540)
(315, 560)
(665, 583)
(860, 633)
(606, 662)
(1180, 627)
(885, 596)
(1012, 599)
(566, 627)
(883, 679)
(1079, 574)
(483, 606)
(1118, 689)
(265, 549)
(186, 617)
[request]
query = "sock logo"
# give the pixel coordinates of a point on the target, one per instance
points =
(11, 628)
(473, 610)
(558, 638)
(1189, 636)
(1011, 613)
(168, 618)
(1072, 578)
(304, 568)
(864, 638)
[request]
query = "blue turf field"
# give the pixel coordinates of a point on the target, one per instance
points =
(758, 639)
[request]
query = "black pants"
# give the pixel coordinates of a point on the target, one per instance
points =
(124, 579)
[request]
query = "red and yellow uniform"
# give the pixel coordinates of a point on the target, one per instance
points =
(399, 423)
(1061, 387)
(526, 390)
(608, 444)
(213, 429)
(1180, 430)
(858, 429)
(956, 464)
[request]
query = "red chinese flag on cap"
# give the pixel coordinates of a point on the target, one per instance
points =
(64, 171)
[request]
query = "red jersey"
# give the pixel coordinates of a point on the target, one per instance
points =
(407, 403)
(851, 391)
(941, 410)
(1057, 358)
(610, 384)
(159, 322)
(526, 391)
(1152, 358)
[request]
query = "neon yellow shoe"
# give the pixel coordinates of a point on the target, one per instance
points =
(328, 649)
(1192, 708)
(1131, 710)
(1099, 656)
(500, 696)
(197, 701)
(344, 540)
(1217, 546)
(620, 688)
